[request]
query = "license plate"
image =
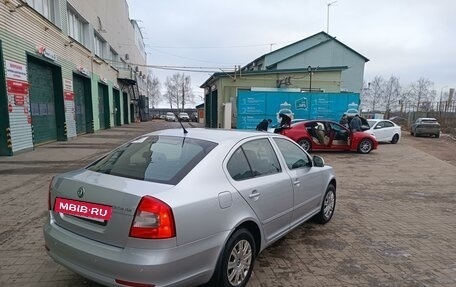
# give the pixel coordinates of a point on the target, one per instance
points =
(89, 210)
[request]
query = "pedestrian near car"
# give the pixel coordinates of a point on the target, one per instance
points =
(344, 120)
(263, 125)
(355, 124)
(285, 122)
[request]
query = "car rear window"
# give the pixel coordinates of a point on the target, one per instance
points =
(162, 159)
(429, 121)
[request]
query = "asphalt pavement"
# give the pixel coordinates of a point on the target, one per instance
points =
(394, 223)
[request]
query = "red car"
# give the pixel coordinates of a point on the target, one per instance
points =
(328, 135)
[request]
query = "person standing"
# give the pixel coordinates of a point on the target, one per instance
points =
(344, 121)
(263, 125)
(285, 122)
(355, 124)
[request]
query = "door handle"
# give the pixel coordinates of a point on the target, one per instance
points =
(297, 182)
(254, 195)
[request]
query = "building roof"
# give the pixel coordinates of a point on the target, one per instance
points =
(218, 75)
(329, 38)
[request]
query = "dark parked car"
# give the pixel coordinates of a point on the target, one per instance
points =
(194, 117)
(425, 126)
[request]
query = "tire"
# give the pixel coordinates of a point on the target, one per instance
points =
(305, 144)
(365, 146)
(237, 260)
(395, 139)
(327, 206)
(437, 135)
(412, 133)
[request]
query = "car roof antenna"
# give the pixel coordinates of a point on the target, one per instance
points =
(185, 131)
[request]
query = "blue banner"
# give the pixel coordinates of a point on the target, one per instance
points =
(254, 106)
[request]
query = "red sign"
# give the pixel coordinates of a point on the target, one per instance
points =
(17, 88)
(19, 100)
(83, 209)
(69, 96)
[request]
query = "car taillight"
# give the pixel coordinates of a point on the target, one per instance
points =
(153, 220)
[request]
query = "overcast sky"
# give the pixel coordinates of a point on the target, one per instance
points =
(405, 38)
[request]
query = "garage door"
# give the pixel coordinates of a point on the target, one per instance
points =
(79, 105)
(42, 102)
(103, 106)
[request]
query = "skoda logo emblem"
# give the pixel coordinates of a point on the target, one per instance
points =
(81, 192)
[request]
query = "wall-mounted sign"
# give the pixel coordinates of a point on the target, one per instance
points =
(68, 96)
(19, 100)
(67, 85)
(16, 87)
(16, 71)
(46, 52)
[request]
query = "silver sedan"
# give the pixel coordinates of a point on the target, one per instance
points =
(178, 208)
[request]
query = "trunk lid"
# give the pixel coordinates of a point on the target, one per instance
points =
(118, 195)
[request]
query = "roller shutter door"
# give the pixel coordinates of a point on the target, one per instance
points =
(79, 105)
(42, 102)
(103, 107)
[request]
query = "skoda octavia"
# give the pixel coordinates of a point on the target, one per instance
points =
(184, 208)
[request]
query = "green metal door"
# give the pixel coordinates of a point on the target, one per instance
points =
(79, 104)
(125, 108)
(103, 106)
(5, 133)
(42, 102)
(116, 99)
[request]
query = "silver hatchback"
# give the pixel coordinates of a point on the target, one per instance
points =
(177, 208)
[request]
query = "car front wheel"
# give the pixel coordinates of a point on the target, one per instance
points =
(327, 206)
(237, 260)
(365, 146)
(305, 144)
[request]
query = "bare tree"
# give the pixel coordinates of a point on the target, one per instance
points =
(423, 93)
(376, 92)
(392, 93)
(178, 90)
(153, 89)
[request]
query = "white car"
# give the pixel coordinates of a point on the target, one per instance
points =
(184, 117)
(384, 130)
(170, 117)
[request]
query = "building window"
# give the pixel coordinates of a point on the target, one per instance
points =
(44, 7)
(113, 58)
(76, 27)
(98, 46)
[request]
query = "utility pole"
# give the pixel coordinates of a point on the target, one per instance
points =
(327, 17)
(309, 69)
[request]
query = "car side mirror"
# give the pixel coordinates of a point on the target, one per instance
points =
(318, 161)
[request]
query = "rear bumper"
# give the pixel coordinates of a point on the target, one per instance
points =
(427, 130)
(187, 265)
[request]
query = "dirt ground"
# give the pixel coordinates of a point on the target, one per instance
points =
(443, 148)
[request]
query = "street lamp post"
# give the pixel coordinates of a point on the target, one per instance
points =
(309, 69)
(440, 103)
(327, 17)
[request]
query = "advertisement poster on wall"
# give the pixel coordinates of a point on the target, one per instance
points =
(254, 106)
(17, 87)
